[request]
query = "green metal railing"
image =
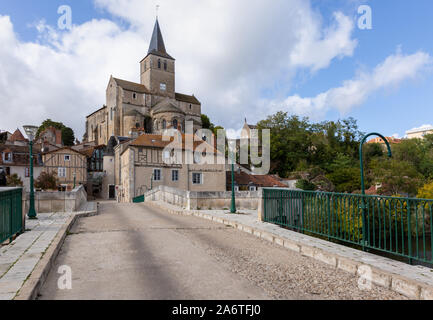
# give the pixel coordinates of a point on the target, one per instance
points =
(397, 226)
(138, 199)
(11, 216)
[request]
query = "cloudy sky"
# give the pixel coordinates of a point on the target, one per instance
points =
(243, 58)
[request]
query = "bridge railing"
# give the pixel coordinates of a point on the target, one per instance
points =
(396, 226)
(11, 219)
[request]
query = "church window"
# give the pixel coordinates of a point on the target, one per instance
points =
(159, 63)
(162, 86)
(190, 106)
(175, 124)
(165, 65)
(164, 124)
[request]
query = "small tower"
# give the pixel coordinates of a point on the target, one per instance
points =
(158, 67)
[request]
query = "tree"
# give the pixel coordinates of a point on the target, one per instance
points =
(426, 192)
(306, 185)
(397, 177)
(47, 181)
(206, 124)
(68, 136)
(14, 181)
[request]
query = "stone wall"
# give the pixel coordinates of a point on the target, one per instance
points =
(191, 200)
(47, 202)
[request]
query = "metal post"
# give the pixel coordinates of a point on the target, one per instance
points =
(32, 212)
(363, 206)
(233, 204)
(151, 182)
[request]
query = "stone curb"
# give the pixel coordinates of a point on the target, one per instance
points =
(31, 288)
(408, 287)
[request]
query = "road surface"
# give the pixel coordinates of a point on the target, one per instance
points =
(132, 251)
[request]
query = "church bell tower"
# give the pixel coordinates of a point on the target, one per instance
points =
(158, 67)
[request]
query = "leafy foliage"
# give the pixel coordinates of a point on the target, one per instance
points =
(305, 185)
(47, 181)
(14, 181)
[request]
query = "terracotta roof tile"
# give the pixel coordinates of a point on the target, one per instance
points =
(17, 136)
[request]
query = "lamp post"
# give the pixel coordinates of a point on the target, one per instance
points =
(233, 157)
(151, 182)
(361, 155)
(31, 134)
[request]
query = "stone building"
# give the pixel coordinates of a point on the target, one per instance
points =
(142, 165)
(150, 106)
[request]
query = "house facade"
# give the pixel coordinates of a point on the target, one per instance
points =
(69, 165)
(15, 158)
(146, 163)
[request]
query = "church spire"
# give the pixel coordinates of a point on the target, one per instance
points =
(157, 46)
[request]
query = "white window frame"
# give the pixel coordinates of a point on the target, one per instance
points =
(252, 188)
(62, 172)
(154, 175)
(201, 178)
(172, 177)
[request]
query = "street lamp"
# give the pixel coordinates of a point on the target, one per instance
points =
(232, 147)
(361, 155)
(31, 134)
(151, 182)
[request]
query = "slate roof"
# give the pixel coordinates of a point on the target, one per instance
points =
(157, 46)
(131, 86)
(166, 106)
(186, 98)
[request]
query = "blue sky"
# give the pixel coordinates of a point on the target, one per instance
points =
(399, 27)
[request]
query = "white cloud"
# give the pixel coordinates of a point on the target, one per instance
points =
(391, 73)
(227, 53)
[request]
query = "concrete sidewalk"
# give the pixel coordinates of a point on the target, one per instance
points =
(415, 282)
(19, 259)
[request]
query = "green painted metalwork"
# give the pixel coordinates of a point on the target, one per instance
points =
(233, 201)
(396, 226)
(32, 211)
(138, 199)
(361, 161)
(11, 213)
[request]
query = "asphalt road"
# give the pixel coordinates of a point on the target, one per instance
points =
(132, 251)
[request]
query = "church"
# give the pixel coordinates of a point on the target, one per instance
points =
(148, 107)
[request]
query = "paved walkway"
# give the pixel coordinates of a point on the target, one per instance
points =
(18, 259)
(131, 251)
